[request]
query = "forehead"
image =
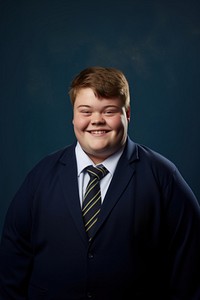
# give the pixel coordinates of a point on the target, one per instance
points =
(85, 93)
(86, 96)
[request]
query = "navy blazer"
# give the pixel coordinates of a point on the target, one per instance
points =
(146, 245)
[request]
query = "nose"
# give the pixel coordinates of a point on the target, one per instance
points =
(97, 119)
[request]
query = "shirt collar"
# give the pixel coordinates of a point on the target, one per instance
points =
(83, 160)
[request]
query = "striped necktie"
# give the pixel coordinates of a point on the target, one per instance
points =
(92, 198)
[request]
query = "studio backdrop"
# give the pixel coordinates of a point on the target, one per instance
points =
(44, 44)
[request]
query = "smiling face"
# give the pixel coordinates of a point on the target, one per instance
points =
(100, 124)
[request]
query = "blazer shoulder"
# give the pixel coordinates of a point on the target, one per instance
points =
(152, 163)
(147, 156)
(154, 158)
(51, 162)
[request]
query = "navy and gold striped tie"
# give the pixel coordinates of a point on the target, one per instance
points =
(92, 198)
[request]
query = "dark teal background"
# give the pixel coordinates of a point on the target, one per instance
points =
(44, 44)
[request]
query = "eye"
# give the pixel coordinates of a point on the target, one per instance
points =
(110, 112)
(85, 112)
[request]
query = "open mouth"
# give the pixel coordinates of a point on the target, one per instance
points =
(98, 132)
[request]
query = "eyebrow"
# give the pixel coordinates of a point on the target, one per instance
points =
(83, 105)
(107, 106)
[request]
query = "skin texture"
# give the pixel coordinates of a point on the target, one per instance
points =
(100, 124)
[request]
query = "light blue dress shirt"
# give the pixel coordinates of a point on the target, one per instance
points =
(83, 161)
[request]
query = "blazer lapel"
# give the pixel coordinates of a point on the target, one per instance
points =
(68, 177)
(123, 173)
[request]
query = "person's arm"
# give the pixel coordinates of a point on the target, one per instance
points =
(16, 253)
(183, 240)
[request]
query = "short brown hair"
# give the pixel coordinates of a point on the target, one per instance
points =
(105, 82)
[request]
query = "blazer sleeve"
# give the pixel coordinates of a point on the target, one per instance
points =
(182, 215)
(17, 245)
(16, 252)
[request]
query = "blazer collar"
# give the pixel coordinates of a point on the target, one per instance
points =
(130, 152)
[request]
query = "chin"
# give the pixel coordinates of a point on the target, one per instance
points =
(101, 153)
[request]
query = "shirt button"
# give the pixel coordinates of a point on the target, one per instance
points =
(90, 255)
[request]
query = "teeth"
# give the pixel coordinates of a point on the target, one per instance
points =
(98, 131)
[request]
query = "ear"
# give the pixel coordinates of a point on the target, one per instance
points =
(128, 113)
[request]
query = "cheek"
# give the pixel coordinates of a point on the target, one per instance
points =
(80, 123)
(116, 123)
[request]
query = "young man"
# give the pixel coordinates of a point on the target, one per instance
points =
(142, 237)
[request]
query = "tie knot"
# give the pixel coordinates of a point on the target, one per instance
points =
(97, 172)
